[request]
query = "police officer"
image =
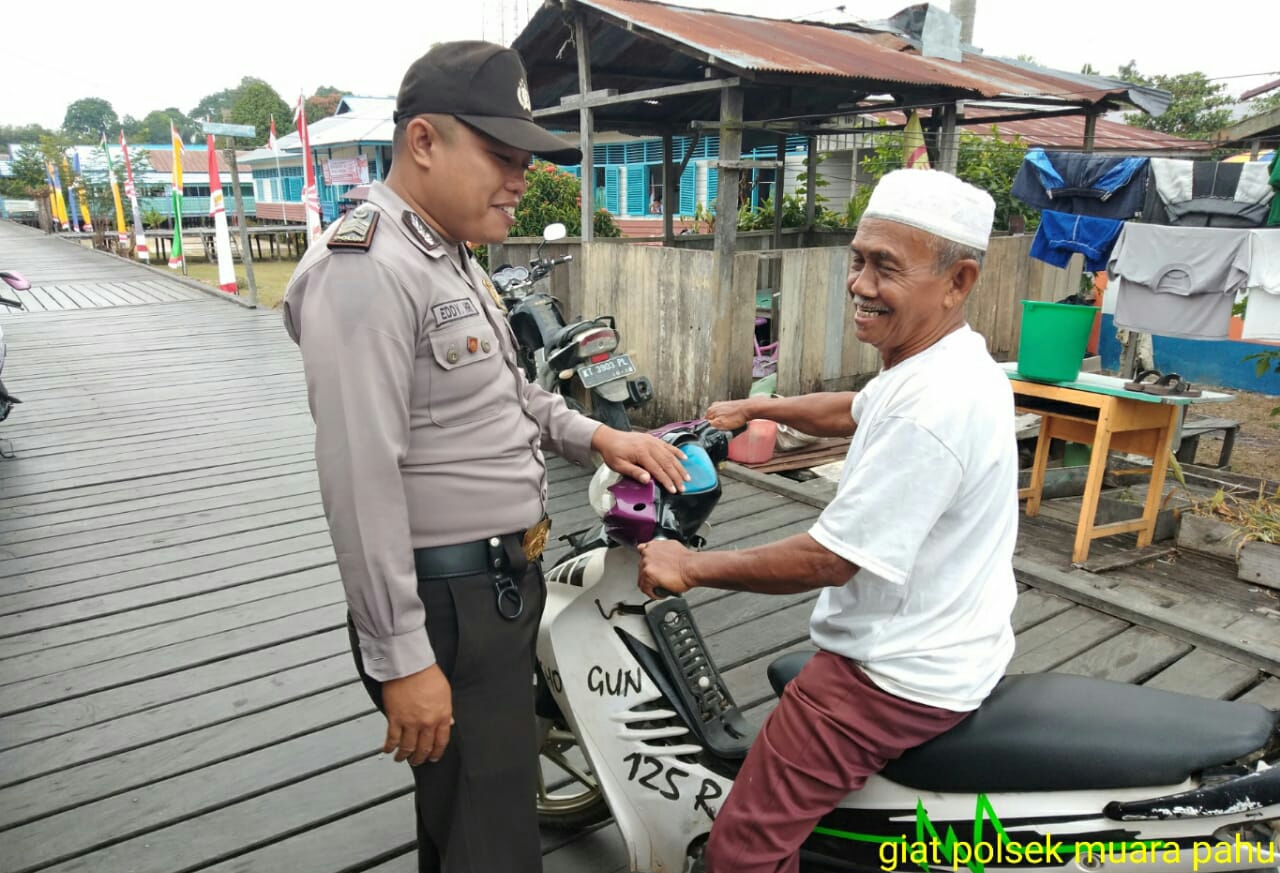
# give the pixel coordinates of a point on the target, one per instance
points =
(429, 448)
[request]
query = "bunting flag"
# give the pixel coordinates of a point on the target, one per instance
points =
(310, 195)
(139, 235)
(176, 259)
(58, 203)
(914, 154)
(221, 235)
(73, 205)
(122, 237)
(78, 184)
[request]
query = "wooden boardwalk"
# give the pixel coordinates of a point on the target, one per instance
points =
(176, 692)
(65, 275)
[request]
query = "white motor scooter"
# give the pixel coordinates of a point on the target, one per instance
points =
(1053, 772)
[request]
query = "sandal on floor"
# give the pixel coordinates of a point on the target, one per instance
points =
(1145, 378)
(1172, 385)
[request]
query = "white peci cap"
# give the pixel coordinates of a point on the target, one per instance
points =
(935, 202)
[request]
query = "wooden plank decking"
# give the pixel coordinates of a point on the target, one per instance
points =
(65, 275)
(176, 692)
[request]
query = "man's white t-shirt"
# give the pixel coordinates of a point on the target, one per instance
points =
(927, 508)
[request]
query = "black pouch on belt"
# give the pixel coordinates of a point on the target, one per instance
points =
(507, 565)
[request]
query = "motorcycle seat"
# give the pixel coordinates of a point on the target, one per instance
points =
(561, 337)
(1056, 732)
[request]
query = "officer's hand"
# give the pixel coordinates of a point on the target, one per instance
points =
(662, 565)
(728, 414)
(419, 711)
(640, 455)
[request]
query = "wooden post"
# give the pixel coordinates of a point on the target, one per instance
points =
(668, 184)
(587, 186)
(948, 153)
(726, 245)
(1090, 127)
(778, 176)
(246, 256)
(811, 187)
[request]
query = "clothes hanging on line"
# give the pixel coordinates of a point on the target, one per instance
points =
(1262, 311)
(1082, 183)
(1179, 281)
(1060, 235)
(1207, 193)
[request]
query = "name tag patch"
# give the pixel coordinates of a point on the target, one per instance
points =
(452, 310)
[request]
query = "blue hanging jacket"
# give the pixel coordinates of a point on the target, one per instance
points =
(1060, 236)
(1080, 183)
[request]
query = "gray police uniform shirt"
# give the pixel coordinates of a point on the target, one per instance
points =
(427, 432)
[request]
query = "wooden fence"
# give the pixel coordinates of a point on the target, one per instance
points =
(818, 349)
(696, 345)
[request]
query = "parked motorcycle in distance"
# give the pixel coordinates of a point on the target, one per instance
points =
(1054, 772)
(561, 357)
(17, 283)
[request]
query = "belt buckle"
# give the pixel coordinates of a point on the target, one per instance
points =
(535, 539)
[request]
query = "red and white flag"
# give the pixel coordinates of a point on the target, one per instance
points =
(139, 235)
(271, 137)
(310, 194)
(221, 235)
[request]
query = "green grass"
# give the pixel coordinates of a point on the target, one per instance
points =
(271, 277)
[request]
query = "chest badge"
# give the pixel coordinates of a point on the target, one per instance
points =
(452, 310)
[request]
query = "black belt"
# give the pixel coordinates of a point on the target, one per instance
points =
(465, 559)
(500, 558)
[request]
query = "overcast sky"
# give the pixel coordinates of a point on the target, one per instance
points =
(151, 56)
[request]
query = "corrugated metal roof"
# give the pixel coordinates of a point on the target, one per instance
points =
(366, 105)
(1067, 132)
(754, 44)
(192, 162)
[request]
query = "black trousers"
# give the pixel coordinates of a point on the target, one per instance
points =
(476, 805)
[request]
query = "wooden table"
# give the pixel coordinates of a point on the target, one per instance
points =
(1096, 410)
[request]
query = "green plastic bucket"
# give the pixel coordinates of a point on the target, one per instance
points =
(1054, 337)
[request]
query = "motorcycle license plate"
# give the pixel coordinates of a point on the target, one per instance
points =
(617, 367)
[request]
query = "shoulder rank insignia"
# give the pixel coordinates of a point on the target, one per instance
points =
(356, 230)
(420, 229)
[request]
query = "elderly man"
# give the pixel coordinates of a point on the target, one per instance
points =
(913, 556)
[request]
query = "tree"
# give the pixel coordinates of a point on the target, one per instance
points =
(216, 106)
(22, 133)
(255, 103)
(1263, 103)
(1199, 108)
(991, 164)
(154, 128)
(986, 161)
(554, 195)
(87, 118)
(28, 174)
(322, 104)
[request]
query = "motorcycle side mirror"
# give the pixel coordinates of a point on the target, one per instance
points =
(553, 232)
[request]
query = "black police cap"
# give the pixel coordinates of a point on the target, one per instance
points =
(483, 85)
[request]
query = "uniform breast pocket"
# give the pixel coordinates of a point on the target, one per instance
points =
(468, 379)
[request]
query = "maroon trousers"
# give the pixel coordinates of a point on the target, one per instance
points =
(832, 729)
